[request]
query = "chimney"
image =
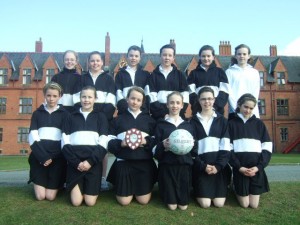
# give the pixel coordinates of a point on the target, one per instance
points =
(107, 50)
(273, 50)
(39, 46)
(172, 42)
(225, 48)
(142, 46)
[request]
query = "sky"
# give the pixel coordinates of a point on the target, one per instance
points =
(83, 25)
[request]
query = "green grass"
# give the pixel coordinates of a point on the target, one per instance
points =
(14, 163)
(18, 206)
(21, 163)
(285, 158)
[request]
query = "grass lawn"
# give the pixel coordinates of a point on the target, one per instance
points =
(21, 163)
(278, 207)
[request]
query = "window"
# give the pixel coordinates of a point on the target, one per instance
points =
(23, 151)
(1, 134)
(282, 107)
(26, 76)
(284, 134)
(49, 75)
(25, 105)
(23, 134)
(2, 105)
(280, 78)
(261, 76)
(3, 76)
(262, 106)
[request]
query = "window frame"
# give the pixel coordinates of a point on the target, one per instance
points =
(3, 106)
(23, 133)
(4, 76)
(26, 76)
(24, 107)
(282, 106)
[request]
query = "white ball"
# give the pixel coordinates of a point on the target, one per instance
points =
(181, 142)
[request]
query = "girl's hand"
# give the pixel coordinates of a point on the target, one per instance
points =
(252, 171)
(244, 171)
(166, 144)
(211, 169)
(80, 167)
(48, 162)
(124, 144)
(86, 165)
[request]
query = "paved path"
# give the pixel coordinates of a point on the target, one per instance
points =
(281, 173)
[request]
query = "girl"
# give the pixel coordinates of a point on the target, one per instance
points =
(47, 164)
(242, 78)
(68, 79)
(211, 173)
(131, 74)
(106, 101)
(251, 152)
(84, 147)
(134, 171)
(165, 79)
(208, 74)
(174, 171)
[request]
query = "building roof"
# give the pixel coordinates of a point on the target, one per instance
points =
(292, 63)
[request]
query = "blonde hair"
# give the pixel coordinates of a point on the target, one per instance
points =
(54, 86)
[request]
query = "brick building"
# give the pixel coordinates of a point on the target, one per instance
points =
(23, 75)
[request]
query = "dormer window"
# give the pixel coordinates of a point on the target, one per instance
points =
(26, 76)
(3, 76)
(261, 76)
(280, 78)
(49, 74)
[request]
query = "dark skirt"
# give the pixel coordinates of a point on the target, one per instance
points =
(50, 177)
(88, 182)
(210, 186)
(133, 177)
(244, 186)
(174, 182)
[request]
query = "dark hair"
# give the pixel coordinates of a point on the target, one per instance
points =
(244, 98)
(197, 105)
(206, 47)
(167, 46)
(54, 86)
(89, 88)
(134, 48)
(234, 60)
(137, 89)
(95, 53)
(174, 93)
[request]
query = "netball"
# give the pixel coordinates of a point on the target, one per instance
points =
(181, 142)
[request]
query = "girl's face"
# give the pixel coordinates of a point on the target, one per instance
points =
(206, 58)
(95, 63)
(167, 57)
(242, 56)
(135, 101)
(246, 109)
(133, 58)
(87, 99)
(70, 60)
(174, 104)
(207, 101)
(52, 96)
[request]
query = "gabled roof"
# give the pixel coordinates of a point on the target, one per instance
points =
(291, 63)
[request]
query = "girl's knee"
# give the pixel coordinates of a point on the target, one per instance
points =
(183, 207)
(144, 199)
(172, 206)
(40, 196)
(124, 201)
